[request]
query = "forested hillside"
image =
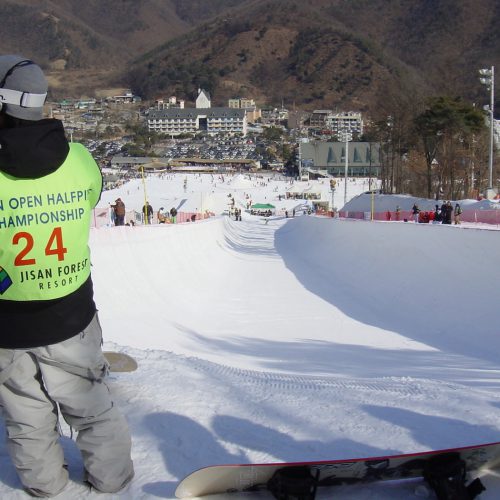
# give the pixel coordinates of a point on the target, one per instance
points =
(357, 54)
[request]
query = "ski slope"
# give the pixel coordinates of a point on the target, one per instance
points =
(300, 339)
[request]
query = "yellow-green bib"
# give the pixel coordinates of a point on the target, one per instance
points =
(44, 229)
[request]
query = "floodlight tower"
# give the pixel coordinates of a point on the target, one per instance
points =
(346, 135)
(488, 79)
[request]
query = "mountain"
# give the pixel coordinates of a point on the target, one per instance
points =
(86, 45)
(356, 54)
(329, 54)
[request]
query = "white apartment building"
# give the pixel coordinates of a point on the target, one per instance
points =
(345, 122)
(176, 121)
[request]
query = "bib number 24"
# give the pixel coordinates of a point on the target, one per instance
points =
(53, 246)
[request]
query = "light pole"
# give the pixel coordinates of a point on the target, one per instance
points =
(488, 79)
(333, 183)
(346, 136)
(300, 160)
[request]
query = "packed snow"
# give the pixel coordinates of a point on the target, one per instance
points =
(290, 339)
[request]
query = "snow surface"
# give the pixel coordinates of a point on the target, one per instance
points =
(305, 338)
(205, 192)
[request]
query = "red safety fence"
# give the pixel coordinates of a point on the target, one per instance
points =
(102, 218)
(477, 216)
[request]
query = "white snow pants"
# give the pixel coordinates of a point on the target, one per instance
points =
(70, 374)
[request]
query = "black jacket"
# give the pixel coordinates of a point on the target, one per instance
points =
(31, 152)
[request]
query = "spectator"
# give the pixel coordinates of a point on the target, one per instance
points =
(112, 215)
(457, 212)
(443, 212)
(119, 208)
(147, 213)
(173, 215)
(161, 216)
(437, 214)
(446, 215)
(415, 211)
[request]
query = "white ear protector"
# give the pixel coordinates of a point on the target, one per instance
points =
(23, 99)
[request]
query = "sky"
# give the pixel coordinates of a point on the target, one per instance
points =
(295, 339)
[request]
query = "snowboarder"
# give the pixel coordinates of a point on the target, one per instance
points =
(50, 354)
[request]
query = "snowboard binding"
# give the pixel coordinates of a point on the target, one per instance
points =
(294, 483)
(446, 476)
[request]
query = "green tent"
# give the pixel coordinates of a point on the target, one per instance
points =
(263, 206)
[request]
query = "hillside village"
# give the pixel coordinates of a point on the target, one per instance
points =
(240, 134)
(127, 133)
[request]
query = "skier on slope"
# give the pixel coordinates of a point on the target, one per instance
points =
(50, 345)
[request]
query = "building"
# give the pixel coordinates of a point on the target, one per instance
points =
(203, 100)
(172, 102)
(177, 121)
(129, 162)
(253, 112)
(126, 97)
(350, 122)
(68, 104)
(328, 158)
(318, 117)
(297, 119)
(274, 116)
(241, 103)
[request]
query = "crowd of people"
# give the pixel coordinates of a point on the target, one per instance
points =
(443, 214)
(118, 214)
(165, 216)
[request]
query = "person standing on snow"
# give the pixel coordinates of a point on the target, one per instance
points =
(448, 211)
(173, 215)
(50, 345)
(457, 212)
(119, 208)
(147, 213)
(415, 211)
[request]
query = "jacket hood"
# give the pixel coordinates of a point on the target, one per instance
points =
(33, 150)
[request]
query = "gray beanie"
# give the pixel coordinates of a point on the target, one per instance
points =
(21, 74)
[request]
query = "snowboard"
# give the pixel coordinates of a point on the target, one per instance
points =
(120, 362)
(299, 480)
